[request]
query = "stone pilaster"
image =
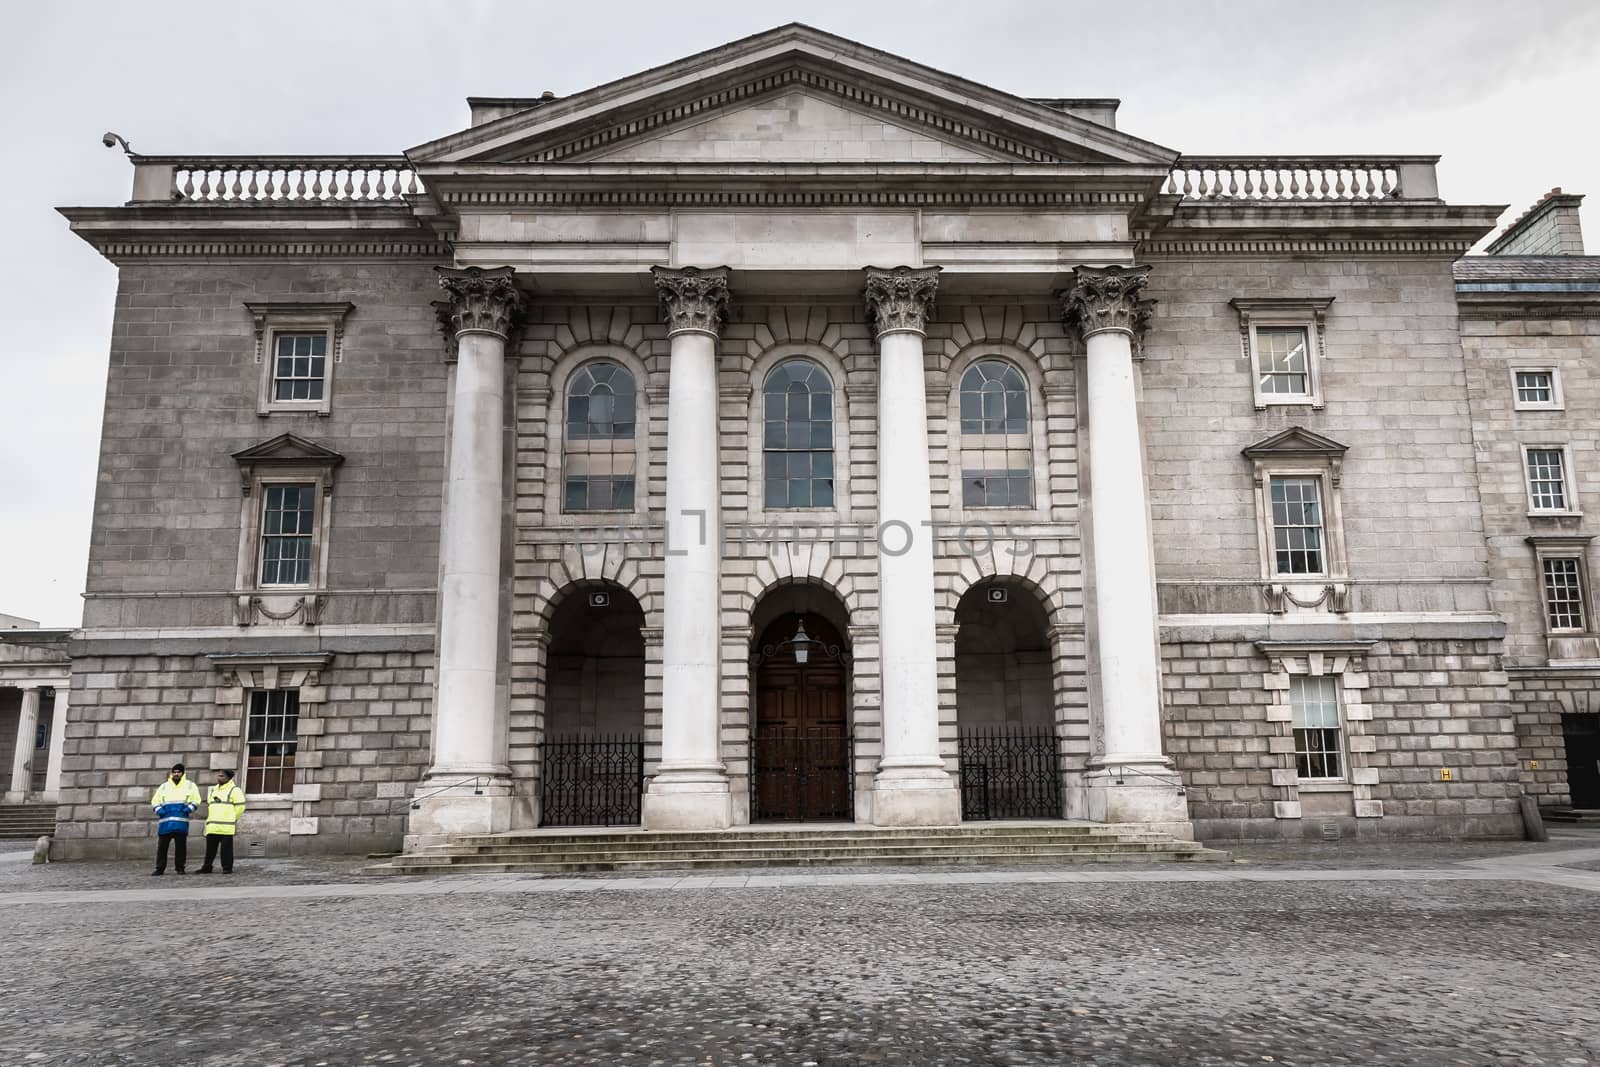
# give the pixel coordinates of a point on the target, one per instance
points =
(1132, 780)
(912, 787)
(468, 787)
(690, 788)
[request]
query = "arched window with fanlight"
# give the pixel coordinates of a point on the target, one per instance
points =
(599, 456)
(996, 452)
(797, 441)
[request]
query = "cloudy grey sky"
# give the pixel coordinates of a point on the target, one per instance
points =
(1506, 92)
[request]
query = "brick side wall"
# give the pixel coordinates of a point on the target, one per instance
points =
(363, 746)
(1432, 704)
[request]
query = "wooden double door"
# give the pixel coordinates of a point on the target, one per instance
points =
(800, 744)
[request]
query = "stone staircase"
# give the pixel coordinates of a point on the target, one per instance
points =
(24, 822)
(1584, 816)
(556, 852)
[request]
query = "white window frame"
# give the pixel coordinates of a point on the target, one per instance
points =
(242, 772)
(1343, 749)
(284, 460)
(1557, 401)
(1333, 554)
(1575, 548)
(1284, 313)
(272, 319)
(1569, 484)
(955, 505)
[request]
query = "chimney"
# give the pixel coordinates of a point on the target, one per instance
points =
(1548, 228)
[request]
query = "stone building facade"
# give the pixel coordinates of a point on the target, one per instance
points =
(798, 432)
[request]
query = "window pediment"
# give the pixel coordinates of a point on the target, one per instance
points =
(1297, 443)
(283, 453)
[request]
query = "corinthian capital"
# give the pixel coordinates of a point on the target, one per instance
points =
(901, 298)
(1107, 298)
(692, 299)
(480, 301)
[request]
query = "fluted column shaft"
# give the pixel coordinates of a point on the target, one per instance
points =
(912, 786)
(690, 789)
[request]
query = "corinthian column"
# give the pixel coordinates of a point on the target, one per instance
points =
(690, 789)
(1129, 779)
(482, 309)
(912, 787)
(22, 755)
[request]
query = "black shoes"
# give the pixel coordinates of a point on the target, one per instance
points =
(203, 870)
(155, 874)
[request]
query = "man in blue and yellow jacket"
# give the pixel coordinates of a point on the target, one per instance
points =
(224, 805)
(174, 801)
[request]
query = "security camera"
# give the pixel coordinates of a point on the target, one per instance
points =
(114, 140)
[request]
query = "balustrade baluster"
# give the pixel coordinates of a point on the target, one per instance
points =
(1188, 183)
(300, 183)
(1294, 183)
(347, 190)
(250, 192)
(186, 184)
(366, 188)
(205, 183)
(1338, 183)
(236, 190)
(1385, 190)
(1249, 183)
(1233, 182)
(1371, 187)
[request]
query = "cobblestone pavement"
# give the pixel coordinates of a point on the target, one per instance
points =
(1488, 958)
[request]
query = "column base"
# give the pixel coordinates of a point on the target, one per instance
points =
(1147, 798)
(688, 800)
(915, 796)
(468, 808)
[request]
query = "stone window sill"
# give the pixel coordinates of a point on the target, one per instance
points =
(1318, 786)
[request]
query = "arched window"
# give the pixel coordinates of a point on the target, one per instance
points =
(797, 447)
(599, 454)
(996, 455)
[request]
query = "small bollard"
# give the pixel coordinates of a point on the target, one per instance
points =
(1532, 822)
(41, 850)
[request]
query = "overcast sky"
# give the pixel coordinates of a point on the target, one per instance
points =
(1506, 92)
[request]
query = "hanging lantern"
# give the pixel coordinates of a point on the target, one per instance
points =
(802, 643)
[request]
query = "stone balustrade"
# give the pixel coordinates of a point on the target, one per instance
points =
(273, 179)
(1304, 179)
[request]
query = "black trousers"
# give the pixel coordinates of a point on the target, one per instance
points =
(214, 842)
(180, 851)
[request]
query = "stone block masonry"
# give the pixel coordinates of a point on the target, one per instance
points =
(363, 741)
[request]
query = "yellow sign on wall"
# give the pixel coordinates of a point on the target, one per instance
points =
(1444, 774)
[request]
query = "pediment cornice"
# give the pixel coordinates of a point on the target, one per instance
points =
(695, 88)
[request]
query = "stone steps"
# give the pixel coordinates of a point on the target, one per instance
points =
(634, 851)
(1587, 816)
(24, 822)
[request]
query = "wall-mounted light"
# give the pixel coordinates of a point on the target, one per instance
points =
(802, 643)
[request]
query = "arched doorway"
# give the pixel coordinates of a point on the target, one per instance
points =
(1010, 761)
(800, 748)
(592, 755)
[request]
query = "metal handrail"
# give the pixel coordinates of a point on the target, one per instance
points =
(477, 790)
(1123, 771)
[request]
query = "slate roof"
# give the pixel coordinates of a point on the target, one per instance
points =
(1528, 273)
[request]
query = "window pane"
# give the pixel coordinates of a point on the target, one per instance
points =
(1282, 360)
(1547, 486)
(1314, 704)
(1535, 387)
(797, 439)
(598, 454)
(1563, 592)
(996, 459)
(286, 531)
(299, 366)
(272, 733)
(1297, 525)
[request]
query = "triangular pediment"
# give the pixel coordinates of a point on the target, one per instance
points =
(797, 126)
(745, 89)
(1296, 442)
(289, 450)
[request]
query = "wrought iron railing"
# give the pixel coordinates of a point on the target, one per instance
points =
(474, 780)
(1010, 772)
(591, 780)
(802, 774)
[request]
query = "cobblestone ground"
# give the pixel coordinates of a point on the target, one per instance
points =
(1475, 962)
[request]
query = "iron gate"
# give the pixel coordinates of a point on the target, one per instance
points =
(591, 780)
(1010, 772)
(799, 774)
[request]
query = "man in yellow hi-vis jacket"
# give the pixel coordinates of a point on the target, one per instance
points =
(224, 805)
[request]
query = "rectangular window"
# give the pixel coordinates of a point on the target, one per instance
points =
(1535, 388)
(299, 366)
(1563, 593)
(1283, 361)
(287, 512)
(1547, 483)
(271, 740)
(1297, 525)
(1315, 704)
